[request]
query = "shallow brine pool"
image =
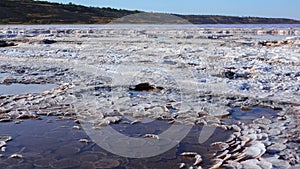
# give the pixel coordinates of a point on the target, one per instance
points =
(54, 143)
(17, 88)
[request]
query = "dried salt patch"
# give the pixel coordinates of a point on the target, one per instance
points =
(113, 119)
(77, 121)
(262, 120)
(19, 156)
(104, 123)
(237, 148)
(2, 143)
(181, 165)
(244, 138)
(18, 121)
(231, 138)
(276, 148)
(227, 157)
(236, 128)
(135, 122)
(220, 146)
(217, 163)
(76, 127)
(189, 154)
(4, 118)
(151, 136)
(222, 154)
(252, 163)
(84, 141)
(255, 151)
(3, 149)
(198, 160)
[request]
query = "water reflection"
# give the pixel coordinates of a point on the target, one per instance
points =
(50, 143)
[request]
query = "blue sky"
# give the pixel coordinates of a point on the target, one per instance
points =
(261, 8)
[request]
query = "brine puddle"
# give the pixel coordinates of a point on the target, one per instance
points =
(269, 37)
(17, 88)
(248, 115)
(52, 143)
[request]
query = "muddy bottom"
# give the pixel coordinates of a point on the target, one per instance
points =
(52, 143)
(17, 88)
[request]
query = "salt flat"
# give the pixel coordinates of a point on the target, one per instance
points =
(190, 76)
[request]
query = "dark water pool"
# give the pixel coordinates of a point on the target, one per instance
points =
(52, 143)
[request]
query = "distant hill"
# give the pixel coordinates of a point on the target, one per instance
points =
(215, 19)
(42, 12)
